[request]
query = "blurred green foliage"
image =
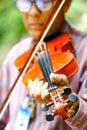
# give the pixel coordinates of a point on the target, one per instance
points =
(12, 28)
(75, 14)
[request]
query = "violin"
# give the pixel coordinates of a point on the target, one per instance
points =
(63, 62)
(56, 56)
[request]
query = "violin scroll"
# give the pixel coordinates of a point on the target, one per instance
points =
(65, 107)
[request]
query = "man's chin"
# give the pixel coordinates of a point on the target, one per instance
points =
(35, 34)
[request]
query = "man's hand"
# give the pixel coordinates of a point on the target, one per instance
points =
(59, 79)
(38, 90)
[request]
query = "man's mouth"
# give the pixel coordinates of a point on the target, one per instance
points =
(35, 25)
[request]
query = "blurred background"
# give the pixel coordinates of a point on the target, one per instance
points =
(12, 28)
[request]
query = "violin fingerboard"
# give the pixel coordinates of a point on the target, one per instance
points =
(45, 65)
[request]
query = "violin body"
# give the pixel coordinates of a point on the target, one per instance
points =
(63, 61)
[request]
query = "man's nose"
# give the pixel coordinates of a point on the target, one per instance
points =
(34, 10)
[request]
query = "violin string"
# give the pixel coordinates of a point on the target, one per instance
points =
(47, 58)
(43, 61)
(44, 66)
(48, 63)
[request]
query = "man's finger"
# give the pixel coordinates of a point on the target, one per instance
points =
(59, 79)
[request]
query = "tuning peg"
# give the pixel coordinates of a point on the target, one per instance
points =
(67, 90)
(45, 107)
(72, 98)
(50, 116)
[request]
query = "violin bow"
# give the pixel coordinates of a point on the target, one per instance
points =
(57, 8)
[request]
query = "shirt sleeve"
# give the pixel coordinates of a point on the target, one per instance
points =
(8, 74)
(79, 121)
